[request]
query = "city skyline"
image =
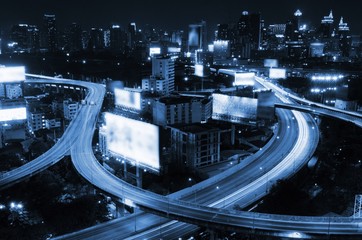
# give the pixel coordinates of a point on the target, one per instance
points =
(159, 14)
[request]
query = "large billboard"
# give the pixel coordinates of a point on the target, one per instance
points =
(199, 70)
(136, 141)
(233, 108)
(244, 79)
(12, 114)
(277, 73)
(128, 98)
(12, 74)
(271, 63)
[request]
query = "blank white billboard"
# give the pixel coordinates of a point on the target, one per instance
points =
(199, 70)
(155, 51)
(127, 97)
(12, 114)
(233, 108)
(271, 63)
(277, 73)
(136, 141)
(12, 74)
(244, 79)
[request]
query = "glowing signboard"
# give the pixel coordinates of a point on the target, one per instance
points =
(12, 74)
(233, 108)
(272, 63)
(155, 51)
(128, 97)
(12, 114)
(277, 73)
(199, 70)
(136, 141)
(244, 79)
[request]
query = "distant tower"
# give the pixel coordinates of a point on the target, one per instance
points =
(75, 37)
(326, 28)
(345, 39)
(247, 35)
(197, 36)
(49, 38)
(292, 26)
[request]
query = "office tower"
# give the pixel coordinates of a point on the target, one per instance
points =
(223, 32)
(117, 38)
(246, 35)
(19, 35)
(326, 27)
(131, 35)
(292, 27)
(96, 40)
(345, 39)
(49, 33)
(197, 36)
(75, 37)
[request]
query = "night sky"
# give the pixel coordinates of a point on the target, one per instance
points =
(172, 15)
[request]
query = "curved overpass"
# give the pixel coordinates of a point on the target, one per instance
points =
(211, 216)
(89, 167)
(69, 137)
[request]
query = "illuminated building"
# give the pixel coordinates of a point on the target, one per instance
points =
(292, 27)
(345, 39)
(326, 28)
(49, 33)
(36, 120)
(70, 109)
(131, 35)
(316, 49)
(19, 34)
(197, 38)
(195, 146)
(181, 110)
(162, 79)
(247, 35)
(117, 38)
(221, 50)
(223, 32)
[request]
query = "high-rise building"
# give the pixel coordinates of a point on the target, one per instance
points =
(162, 79)
(96, 40)
(292, 27)
(326, 27)
(223, 32)
(117, 38)
(247, 35)
(131, 35)
(197, 37)
(49, 33)
(75, 37)
(19, 35)
(345, 39)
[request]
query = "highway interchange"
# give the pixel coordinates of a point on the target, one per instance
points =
(291, 147)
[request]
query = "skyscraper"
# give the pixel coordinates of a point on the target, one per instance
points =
(292, 27)
(75, 37)
(326, 28)
(197, 36)
(49, 33)
(247, 35)
(345, 39)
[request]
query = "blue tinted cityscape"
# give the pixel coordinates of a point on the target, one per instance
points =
(128, 122)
